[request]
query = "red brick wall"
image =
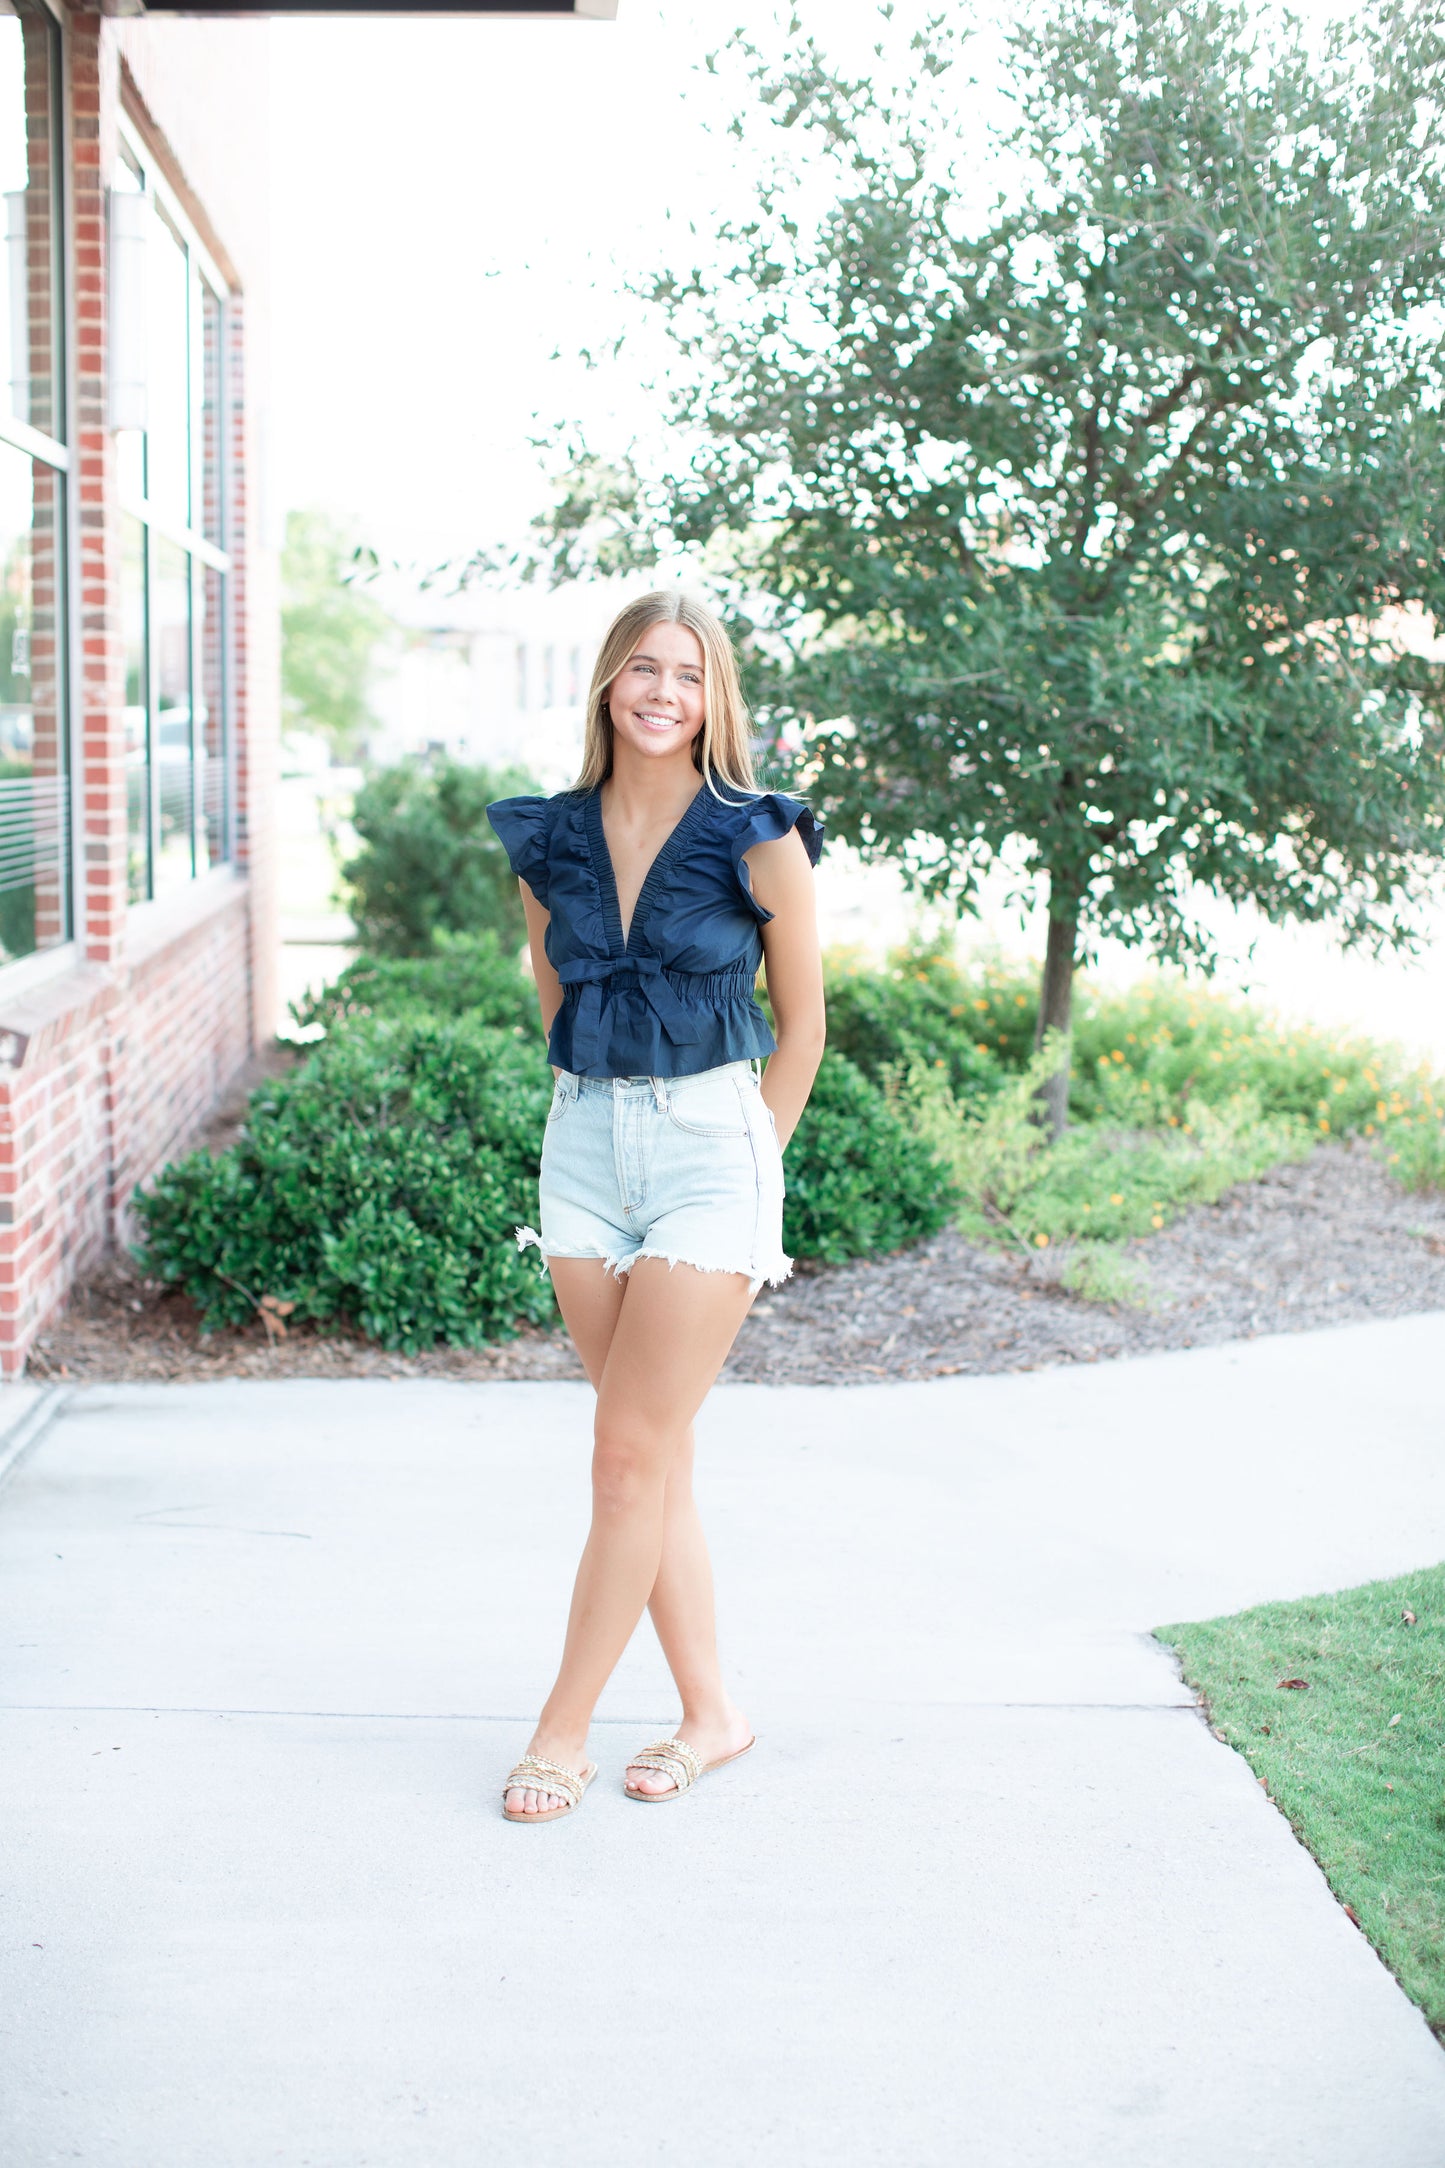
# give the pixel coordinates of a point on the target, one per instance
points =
(108, 1069)
(185, 1033)
(54, 1169)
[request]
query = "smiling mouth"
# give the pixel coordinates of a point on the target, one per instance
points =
(657, 722)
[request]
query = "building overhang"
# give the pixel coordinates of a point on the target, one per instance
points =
(517, 10)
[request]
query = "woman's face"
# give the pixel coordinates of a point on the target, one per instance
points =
(656, 700)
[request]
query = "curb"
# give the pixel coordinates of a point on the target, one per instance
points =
(29, 1428)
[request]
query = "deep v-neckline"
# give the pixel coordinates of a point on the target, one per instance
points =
(618, 941)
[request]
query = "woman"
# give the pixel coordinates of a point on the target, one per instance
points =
(653, 889)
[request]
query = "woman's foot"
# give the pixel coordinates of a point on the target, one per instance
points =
(712, 1739)
(568, 1753)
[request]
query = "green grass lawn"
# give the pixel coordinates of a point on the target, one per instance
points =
(1356, 1757)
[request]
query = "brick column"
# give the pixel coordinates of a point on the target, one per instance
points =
(100, 917)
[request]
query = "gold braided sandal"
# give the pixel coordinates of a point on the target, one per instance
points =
(676, 1759)
(532, 1774)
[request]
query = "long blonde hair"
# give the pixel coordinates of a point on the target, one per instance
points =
(721, 750)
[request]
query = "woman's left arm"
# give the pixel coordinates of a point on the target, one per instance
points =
(783, 882)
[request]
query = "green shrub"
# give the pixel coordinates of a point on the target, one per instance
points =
(467, 975)
(1103, 1272)
(1416, 1154)
(1098, 1183)
(379, 1183)
(1179, 1043)
(858, 1183)
(918, 1009)
(429, 861)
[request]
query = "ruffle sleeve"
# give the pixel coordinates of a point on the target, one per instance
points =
(765, 820)
(525, 828)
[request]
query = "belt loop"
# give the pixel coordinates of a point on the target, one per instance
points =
(659, 1093)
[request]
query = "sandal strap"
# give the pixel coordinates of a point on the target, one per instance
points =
(673, 1758)
(532, 1774)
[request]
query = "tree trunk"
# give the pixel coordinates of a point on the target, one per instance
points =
(1056, 1008)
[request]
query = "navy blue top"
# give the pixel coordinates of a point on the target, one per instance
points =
(677, 996)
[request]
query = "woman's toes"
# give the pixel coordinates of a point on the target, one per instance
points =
(648, 1780)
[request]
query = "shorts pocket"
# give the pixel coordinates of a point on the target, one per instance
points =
(710, 1109)
(561, 1098)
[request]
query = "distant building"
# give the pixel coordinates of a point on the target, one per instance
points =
(498, 677)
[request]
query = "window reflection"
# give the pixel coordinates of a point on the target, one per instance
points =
(27, 264)
(34, 781)
(168, 395)
(34, 811)
(170, 599)
(172, 475)
(136, 708)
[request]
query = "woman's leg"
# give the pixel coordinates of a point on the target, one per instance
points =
(671, 1332)
(685, 1619)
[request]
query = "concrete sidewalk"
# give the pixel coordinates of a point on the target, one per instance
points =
(986, 1892)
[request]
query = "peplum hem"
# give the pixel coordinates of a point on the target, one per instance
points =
(722, 1025)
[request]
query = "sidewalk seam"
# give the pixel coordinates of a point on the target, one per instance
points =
(30, 1428)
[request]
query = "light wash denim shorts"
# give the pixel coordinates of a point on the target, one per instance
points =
(683, 1167)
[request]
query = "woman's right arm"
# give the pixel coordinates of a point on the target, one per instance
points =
(549, 986)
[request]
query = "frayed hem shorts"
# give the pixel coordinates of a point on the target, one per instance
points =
(687, 1168)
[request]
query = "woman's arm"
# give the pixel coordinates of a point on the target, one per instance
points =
(783, 882)
(549, 986)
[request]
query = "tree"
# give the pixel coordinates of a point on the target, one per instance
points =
(330, 631)
(1100, 526)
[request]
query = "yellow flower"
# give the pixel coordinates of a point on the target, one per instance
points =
(1116, 1197)
(1041, 1242)
(1021, 1001)
(1324, 1121)
(1157, 1221)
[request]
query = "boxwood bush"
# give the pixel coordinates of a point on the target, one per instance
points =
(858, 1183)
(918, 1009)
(378, 1184)
(475, 976)
(428, 860)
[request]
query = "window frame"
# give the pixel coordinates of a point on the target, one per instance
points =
(204, 555)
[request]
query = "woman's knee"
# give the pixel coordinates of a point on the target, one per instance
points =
(629, 1466)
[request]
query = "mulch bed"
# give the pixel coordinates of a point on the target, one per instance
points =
(1328, 1242)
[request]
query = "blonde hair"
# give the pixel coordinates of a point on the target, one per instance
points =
(721, 750)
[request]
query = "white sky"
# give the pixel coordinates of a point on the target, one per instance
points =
(455, 199)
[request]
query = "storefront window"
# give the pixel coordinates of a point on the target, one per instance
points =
(172, 474)
(136, 708)
(34, 770)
